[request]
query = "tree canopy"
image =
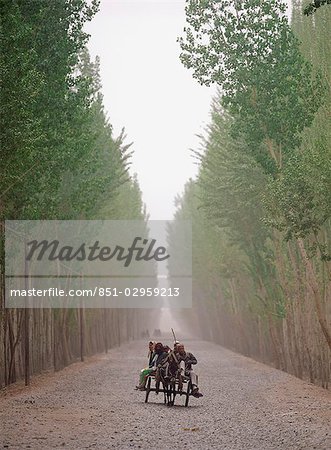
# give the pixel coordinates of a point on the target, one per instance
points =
(312, 7)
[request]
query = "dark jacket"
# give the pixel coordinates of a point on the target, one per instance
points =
(157, 359)
(189, 360)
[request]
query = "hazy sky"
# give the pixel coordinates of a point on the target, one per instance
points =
(149, 92)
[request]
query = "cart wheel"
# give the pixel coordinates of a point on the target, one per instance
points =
(148, 389)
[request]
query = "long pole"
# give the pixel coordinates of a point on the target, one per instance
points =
(173, 333)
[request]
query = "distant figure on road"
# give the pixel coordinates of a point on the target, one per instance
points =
(144, 334)
(157, 332)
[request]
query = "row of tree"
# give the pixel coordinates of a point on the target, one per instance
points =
(261, 205)
(59, 160)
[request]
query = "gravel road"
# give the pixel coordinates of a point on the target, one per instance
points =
(246, 405)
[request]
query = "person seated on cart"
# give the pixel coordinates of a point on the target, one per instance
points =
(188, 360)
(150, 354)
(158, 356)
(167, 349)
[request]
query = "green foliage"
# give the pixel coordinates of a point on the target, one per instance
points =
(21, 84)
(250, 51)
(59, 158)
(269, 96)
(42, 103)
(299, 202)
(231, 182)
(312, 7)
(97, 174)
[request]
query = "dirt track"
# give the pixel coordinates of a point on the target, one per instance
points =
(246, 405)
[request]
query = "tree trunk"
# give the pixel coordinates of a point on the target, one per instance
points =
(313, 282)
